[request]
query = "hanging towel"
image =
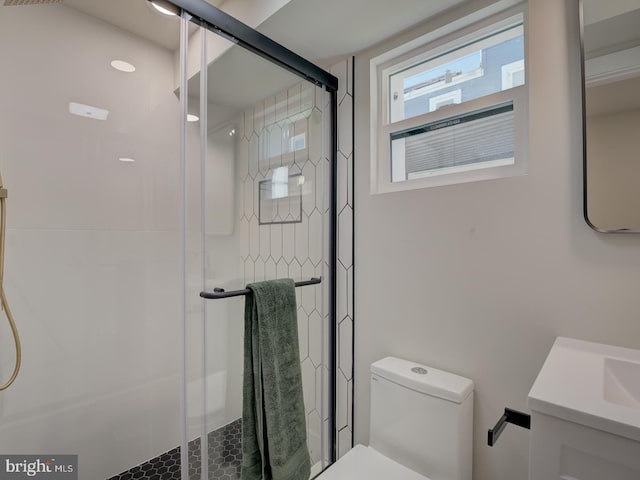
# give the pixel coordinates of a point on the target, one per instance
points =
(274, 436)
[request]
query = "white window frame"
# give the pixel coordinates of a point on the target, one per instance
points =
(437, 42)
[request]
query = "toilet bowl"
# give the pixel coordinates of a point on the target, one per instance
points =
(421, 426)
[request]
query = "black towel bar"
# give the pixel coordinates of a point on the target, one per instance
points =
(510, 416)
(220, 293)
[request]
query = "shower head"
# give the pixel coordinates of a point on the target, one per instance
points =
(11, 3)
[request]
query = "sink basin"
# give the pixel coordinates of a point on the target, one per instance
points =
(622, 382)
(585, 413)
(592, 384)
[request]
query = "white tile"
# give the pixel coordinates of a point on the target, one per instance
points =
(344, 441)
(274, 145)
(308, 384)
(302, 239)
(322, 194)
(343, 180)
(319, 293)
(303, 333)
(350, 291)
(259, 270)
(342, 402)
(288, 241)
(315, 136)
(345, 126)
(254, 155)
(322, 390)
(315, 237)
(350, 76)
(269, 111)
(269, 269)
(345, 351)
(342, 304)
(276, 241)
(301, 131)
(345, 246)
(254, 238)
(314, 433)
(293, 100)
(306, 96)
(315, 338)
(282, 269)
(308, 293)
(243, 233)
(350, 181)
(350, 404)
(264, 160)
(258, 117)
(265, 241)
(322, 97)
(249, 271)
(295, 272)
(281, 106)
(309, 188)
(249, 191)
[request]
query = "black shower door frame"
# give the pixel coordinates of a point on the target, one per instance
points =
(215, 20)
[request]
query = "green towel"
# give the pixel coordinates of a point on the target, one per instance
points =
(274, 434)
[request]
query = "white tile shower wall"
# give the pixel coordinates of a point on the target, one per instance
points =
(345, 316)
(92, 243)
(295, 249)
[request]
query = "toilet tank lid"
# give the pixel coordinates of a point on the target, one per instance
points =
(424, 379)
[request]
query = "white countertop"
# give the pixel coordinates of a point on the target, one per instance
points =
(592, 384)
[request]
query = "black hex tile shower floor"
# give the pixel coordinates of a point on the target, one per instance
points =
(225, 457)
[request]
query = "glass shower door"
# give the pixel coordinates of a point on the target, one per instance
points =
(257, 207)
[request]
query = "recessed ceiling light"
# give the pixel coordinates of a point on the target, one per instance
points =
(161, 9)
(127, 160)
(232, 132)
(123, 66)
(88, 111)
(192, 118)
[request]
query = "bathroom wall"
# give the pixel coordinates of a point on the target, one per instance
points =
(479, 278)
(92, 255)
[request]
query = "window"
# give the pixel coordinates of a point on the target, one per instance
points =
(452, 109)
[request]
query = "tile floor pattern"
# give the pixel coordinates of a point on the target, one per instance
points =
(225, 457)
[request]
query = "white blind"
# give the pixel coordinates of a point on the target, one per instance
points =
(471, 138)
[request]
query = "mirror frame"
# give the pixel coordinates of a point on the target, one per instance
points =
(584, 131)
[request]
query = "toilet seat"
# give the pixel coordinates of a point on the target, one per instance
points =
(365, 463)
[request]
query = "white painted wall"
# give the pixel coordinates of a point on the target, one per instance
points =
(479, 278)
(92, 259)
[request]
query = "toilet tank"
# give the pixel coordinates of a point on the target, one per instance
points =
(422, 418)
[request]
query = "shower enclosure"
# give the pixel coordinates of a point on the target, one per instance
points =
(208, 166)
(258, 176)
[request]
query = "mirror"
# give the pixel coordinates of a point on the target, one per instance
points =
(611, 75)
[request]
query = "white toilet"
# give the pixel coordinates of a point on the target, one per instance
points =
(421, 427)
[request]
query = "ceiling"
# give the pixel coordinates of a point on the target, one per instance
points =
(135, 16)
(319, 31)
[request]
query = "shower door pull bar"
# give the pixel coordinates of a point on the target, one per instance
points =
(220, 293)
